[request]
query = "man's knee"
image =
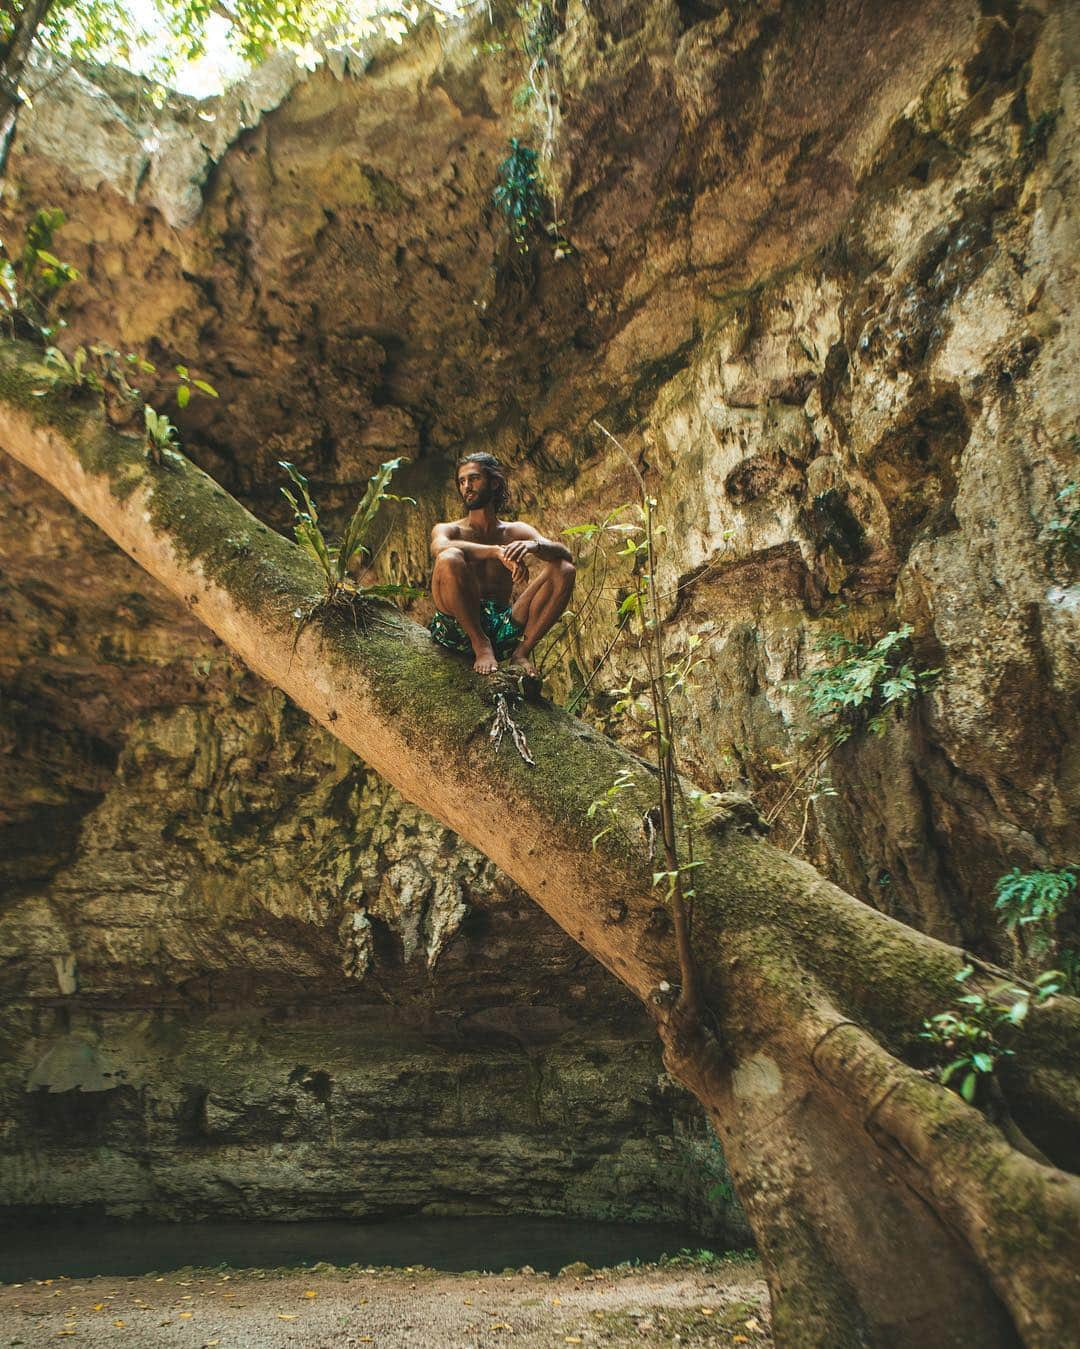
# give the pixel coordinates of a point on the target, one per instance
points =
(565, 573)
(450, 560)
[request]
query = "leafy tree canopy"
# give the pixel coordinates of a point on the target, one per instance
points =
(159, 38)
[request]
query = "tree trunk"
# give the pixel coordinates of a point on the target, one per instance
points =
(25, 20)
(887, 1211)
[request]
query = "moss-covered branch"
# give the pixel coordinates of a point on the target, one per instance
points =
(887, 1210)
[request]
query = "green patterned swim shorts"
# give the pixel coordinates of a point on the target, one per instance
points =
(496, 621)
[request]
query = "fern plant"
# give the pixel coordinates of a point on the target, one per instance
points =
(865, 683)
(1023, 897)
(335, 560)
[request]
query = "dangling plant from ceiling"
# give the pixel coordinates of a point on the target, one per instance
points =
(518, 194)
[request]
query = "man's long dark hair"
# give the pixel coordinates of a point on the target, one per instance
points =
(500, 487)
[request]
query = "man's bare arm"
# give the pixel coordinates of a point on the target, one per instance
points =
(530, 543)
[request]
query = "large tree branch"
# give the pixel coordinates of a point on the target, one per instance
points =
(25, 22)
(887, 1210)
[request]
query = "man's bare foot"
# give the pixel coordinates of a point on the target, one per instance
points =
(485, 662)
(524, 663)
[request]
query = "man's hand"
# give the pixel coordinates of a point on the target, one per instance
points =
(520, 549)
(512, 556)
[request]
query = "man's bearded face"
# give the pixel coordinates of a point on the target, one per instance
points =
(476, 492)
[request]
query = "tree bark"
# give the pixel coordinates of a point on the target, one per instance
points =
(25, 20)
(887, 1211)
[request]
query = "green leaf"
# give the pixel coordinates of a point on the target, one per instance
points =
(202, 385)
(183, 396)
(983, 1062)
(946, 1073)
(968, 1087)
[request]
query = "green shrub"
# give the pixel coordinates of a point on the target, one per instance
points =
(970, 1033)
(1023, 897)
(518, 195)
(335, 560)
(32, 278)
(864, 683)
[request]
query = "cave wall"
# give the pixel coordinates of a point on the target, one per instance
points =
(821, 287)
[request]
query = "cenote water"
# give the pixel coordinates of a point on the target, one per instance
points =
(85, 1248)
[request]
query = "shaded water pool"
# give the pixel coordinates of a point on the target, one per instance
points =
(80, 1249)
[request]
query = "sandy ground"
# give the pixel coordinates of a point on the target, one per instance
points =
(721, 1304)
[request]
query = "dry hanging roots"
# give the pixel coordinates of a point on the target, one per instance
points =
(503, 723)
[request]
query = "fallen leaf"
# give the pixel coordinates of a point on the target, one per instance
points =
(119, 1324)
(752, 1324)
(706, 1311)
(500, 1325)
(739, 1339)
(311, 1293)
(286, 1316)
(185, 1316)
(556, 1301)
(98, 1307)
(468, 1302)
(572, 1339)
(366, 1339)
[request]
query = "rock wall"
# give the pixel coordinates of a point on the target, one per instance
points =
(820, 287)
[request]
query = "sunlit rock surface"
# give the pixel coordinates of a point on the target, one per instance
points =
(821, 288)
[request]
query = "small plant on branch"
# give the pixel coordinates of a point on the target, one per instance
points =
(970, 1033)
(336, 560)
(161, 435)
(73, 374)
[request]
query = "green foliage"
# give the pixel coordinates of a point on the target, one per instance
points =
(187, 383)
(335, 560)
(539, 27)
(1068, 961)
(161, 435)
(606, 806)
(518, 195)
(73, 375)
(864, 683)
(970, 1033)
(114, 31)
(1023, 897)
(1037, 136)
(705, 1259)
(1063, 531)
(33, 277)
(100, 367)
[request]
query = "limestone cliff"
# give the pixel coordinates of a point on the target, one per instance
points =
(820, 284)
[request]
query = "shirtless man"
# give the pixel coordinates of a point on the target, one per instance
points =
(478, 561)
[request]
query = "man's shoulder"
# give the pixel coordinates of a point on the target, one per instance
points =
(518, 529)
(450, 527)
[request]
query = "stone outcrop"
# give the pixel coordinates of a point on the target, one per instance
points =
(820, 286)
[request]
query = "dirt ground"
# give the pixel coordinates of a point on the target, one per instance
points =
(718, 1304)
